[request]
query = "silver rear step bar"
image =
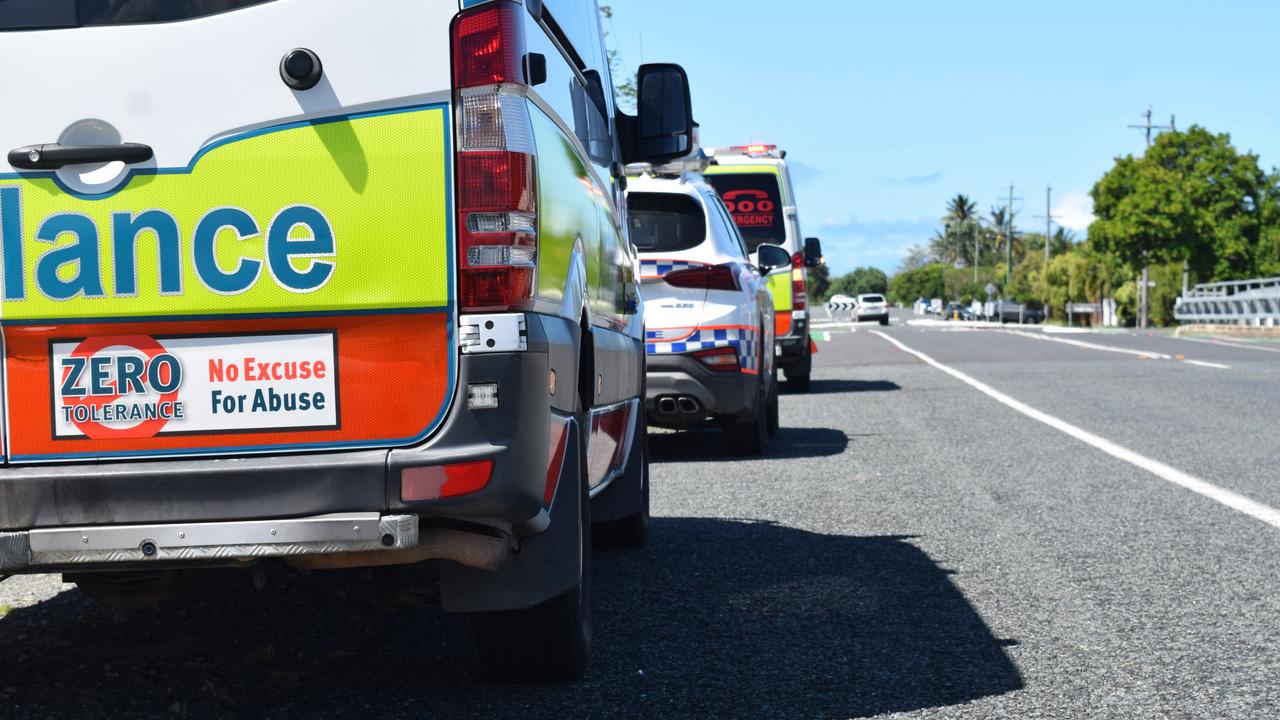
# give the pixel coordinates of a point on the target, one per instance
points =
(247, 539)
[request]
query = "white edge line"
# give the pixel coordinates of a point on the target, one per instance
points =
(1233, 500)
(1202, 363)
(1095, 346)
(1224, 343)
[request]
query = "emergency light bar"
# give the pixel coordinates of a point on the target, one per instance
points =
(754, 151)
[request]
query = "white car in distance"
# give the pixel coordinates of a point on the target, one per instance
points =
(872, 307)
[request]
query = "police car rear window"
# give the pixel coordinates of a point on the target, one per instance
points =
(754, 201)
(48, 14)
(662, 222)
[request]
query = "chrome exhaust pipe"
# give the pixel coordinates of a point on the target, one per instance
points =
(667, 406)
(688, 405)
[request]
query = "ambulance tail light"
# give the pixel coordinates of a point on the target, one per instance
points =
(799, 300)
(716, 277)
(496, 169)
(721, 359)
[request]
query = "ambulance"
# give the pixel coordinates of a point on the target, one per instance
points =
(334, 283)
(755, 184)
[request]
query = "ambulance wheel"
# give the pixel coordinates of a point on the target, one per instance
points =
(798, 374)
(549, 642)
(749, 436)
(798, 383)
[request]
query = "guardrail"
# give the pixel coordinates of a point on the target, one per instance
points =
(1236, 302)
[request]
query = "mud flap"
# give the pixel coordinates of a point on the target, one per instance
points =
(546, 565)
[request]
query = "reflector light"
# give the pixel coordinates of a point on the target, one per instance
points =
(482, 396)
(436, 482)
(556, 447)
(716, 277)
(721, 359)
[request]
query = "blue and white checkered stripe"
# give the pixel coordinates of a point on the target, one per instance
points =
(744, 340)
(658, 268)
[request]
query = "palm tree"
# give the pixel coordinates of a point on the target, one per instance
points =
(960, 209)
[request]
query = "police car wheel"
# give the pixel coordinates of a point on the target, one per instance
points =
(775, 421)
(549, 642)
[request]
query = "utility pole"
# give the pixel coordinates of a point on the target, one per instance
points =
(1049, 217)
(977, 251)
(1144, 289)
(1008, 241)
(1148, 127)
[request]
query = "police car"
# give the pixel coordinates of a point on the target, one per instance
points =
(756, 187)
(340, 283)
(709, 314)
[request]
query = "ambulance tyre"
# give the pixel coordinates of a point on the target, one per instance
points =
(749, 436)
(551, 641)
(798, 374)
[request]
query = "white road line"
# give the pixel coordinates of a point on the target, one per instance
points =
(1233, 500)
(1224, 343)
(1202, 363)
(1111, 348)
(1094, 346)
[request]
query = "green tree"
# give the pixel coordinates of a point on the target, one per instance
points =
(923, 282)
(1192, 197)
(861, 281)
(819, 282)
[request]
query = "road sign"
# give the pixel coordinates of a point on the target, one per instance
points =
(991, 290)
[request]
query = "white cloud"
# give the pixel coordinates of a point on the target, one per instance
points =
(1074, 211)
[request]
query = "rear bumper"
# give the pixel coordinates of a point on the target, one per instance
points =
(116, 504)
(869, 315)
(681, 378)
(795, 344)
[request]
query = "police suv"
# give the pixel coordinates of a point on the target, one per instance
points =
(340, 283)
(755, 184)
(708, 311)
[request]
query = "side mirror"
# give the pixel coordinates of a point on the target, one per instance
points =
(664, 114)
(770, 258)
(812, 252)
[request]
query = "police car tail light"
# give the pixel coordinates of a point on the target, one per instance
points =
(799, 300)
(718, 277)
(721, 359)
(496, 168)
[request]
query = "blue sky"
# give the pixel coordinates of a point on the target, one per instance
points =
(887, 109)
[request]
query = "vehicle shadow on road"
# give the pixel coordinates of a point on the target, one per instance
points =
(718, 618)
(833, 387)
(705, 446)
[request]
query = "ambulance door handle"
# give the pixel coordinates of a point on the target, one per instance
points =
(54, 156)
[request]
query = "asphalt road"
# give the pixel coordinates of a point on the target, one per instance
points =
(910, 547)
